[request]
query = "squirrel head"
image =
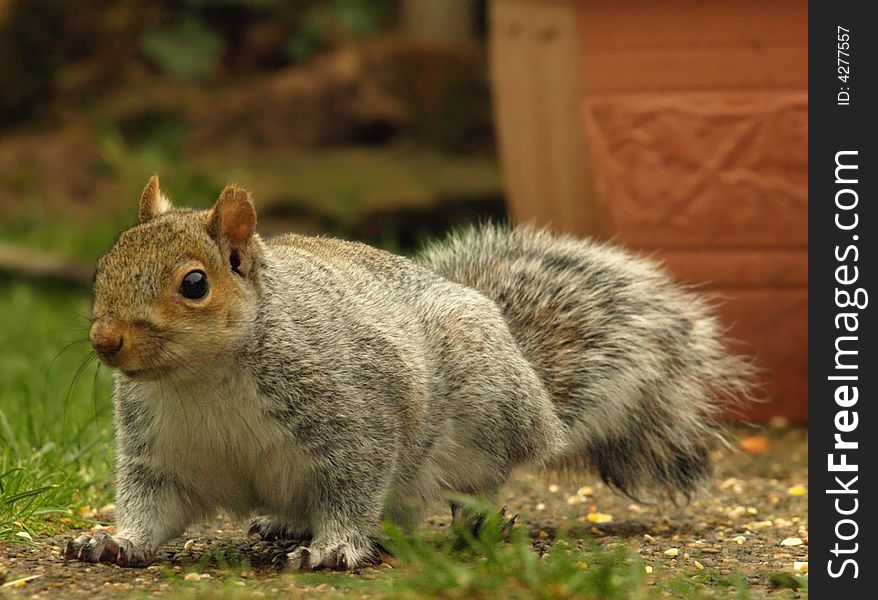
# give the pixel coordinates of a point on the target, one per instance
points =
(176, 290)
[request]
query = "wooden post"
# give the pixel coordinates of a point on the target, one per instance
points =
(537, 91)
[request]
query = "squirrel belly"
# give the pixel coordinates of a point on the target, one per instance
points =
(635, 363)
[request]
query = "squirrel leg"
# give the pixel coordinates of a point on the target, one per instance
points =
(150, 508)
(348, 510)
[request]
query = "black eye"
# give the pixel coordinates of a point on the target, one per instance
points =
(194, 285)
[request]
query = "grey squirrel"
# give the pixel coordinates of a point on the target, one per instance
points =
(327, 385)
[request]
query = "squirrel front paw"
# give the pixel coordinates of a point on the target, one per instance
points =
(339, 556)
(104, 548)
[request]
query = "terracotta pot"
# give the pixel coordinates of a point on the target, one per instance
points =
(680, 128)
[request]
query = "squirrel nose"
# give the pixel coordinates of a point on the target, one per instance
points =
(106, 339)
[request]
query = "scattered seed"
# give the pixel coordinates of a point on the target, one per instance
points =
(672, 552)
(699, 566)
(192, 577)
(541, 506)
(597, 517)
(736, 512)
(20, 581)
(740, 539)
(648, 569)
(25, 535)
(554, 488)
(188, 545)
(797, 490)
(792, 541)
(730, 482)
(755, 444)
(800, 566)
(778, 422)
(585, 490)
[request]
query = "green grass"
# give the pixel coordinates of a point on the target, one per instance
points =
(489, 567)
(484, 567)
(55, 422)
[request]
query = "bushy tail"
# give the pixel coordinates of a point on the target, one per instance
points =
(636, 364)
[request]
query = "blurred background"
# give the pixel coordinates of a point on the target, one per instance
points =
(677, 128)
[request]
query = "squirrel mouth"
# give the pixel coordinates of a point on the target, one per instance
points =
(148, 373)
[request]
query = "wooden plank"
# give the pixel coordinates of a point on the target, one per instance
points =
(535, 75)
(37, 264)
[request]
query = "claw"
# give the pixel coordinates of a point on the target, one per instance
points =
(476, 522)
(380, 548)
(298, 558)
(104, 548)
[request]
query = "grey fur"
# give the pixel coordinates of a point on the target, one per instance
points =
(353, 385)
(635, 363)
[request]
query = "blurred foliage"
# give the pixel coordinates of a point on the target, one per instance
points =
(328, 23)
(188, 49)
(28, 56)
(73, 48)
(336, 123)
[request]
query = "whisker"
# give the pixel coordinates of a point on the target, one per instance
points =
(62, 351)
(94, 387)
(83, 364)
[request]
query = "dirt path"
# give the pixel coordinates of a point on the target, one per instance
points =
(755, 523)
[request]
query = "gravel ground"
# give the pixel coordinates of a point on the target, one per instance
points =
(755, 523)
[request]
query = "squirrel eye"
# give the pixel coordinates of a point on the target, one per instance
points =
(194, 285)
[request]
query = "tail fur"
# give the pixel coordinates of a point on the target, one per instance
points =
(636, 364)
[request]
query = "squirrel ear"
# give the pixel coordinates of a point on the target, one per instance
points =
(152, 201)
(232, 224)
